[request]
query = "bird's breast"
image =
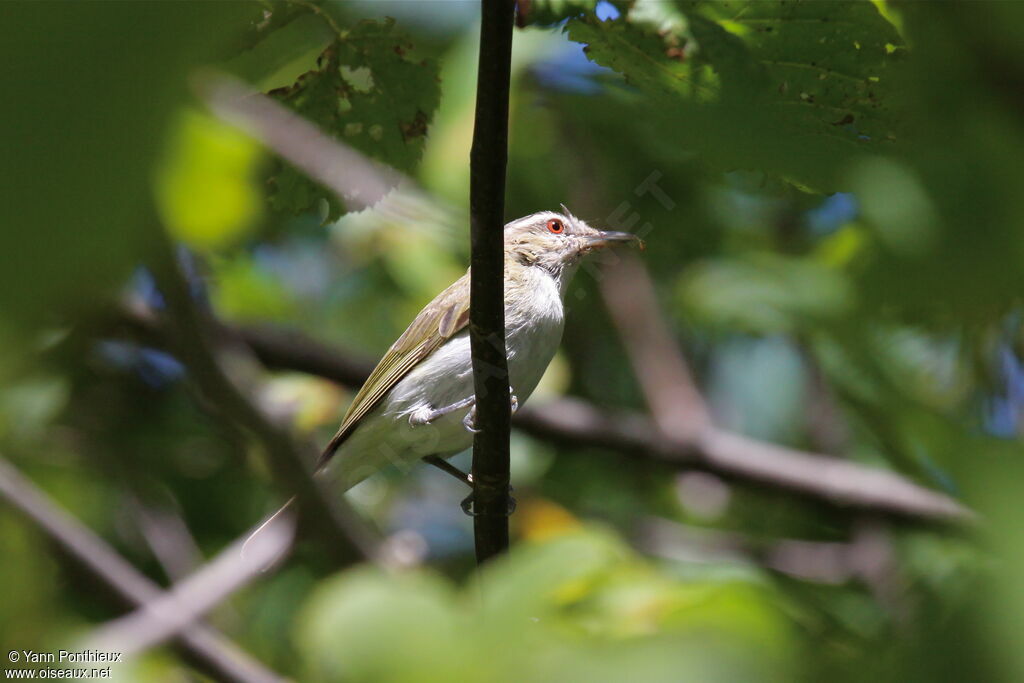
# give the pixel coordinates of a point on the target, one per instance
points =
(534, 320)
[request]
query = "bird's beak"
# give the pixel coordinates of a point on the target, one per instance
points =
(605, 239)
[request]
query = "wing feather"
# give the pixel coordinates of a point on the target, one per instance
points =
(440, 320)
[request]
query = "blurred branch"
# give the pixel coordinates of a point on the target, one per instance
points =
(358, 180)
(205, 647)
(820, 477)
(488, 161)
(826, 429)
(578, 423)
(683, 419)
(277, 347)
(167, 536)
(827, 562)
(341, 532)
(167, 614)
(677, 405)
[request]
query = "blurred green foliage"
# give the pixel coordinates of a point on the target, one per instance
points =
(605, 616)
(881, 324)
(205, 187)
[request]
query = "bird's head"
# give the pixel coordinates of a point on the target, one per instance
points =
(553, 240)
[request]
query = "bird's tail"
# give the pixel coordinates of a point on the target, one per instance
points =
(282, 516)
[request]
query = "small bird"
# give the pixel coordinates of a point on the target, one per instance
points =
(418, 403)
(419, 400)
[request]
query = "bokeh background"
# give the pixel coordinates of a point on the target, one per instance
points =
(831, 198)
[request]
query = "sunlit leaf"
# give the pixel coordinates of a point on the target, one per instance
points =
(205, 187)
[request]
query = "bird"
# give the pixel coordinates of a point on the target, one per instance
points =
(418, 402)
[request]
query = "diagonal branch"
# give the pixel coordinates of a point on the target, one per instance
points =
(189, 599)
(814, 476)
(828, 562)
(201, 644)
(361, 182)
(341, 532)
(488, 160)
(167, 536)
(684, 421)
(677, 405)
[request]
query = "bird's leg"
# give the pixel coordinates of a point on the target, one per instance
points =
(467, 479)
(469, 421)
(449, 468)
(426, 414)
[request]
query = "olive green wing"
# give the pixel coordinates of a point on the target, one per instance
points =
(440, 320)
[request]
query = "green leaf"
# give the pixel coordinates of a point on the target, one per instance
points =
(653, 62)
(370, 92)
(281, 55)
(582, 607)
(547, 12)
(829, 62)
(794, 89)
(205, 188)
(92, 87)
(401, 627)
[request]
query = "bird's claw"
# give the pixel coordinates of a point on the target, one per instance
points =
(420, 417)
(468, 508)
(469, 421)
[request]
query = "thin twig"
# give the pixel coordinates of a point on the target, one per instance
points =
(488, 160)
(204, 646)
(188, 600)
(168, 538)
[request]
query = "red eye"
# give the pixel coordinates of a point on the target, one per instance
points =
(556, 226)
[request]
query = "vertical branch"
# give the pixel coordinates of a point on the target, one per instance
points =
(488, 159)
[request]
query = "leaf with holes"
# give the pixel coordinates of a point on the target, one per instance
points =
(829, 62)
(370, 92)
(793, 88)
(654, 62)
(547, 12)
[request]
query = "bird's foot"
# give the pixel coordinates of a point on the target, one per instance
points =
(469, 421)
(425, 415)
(467, 504)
